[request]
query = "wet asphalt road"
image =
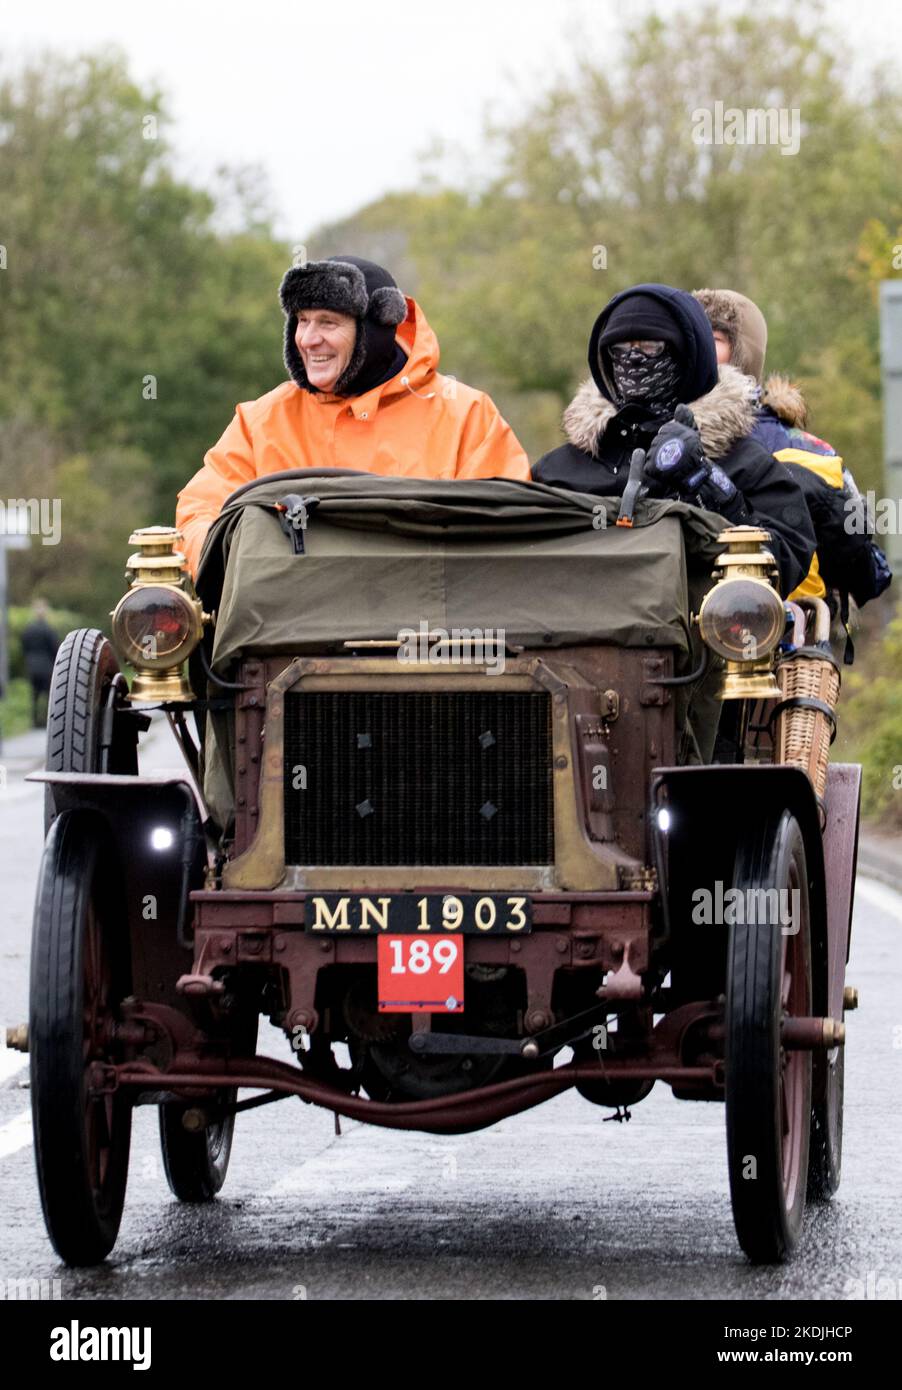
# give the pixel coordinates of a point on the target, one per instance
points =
(555, 1203)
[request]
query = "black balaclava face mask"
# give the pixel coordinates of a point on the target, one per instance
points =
(649, 381)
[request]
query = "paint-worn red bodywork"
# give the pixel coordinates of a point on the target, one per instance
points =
(633, 946)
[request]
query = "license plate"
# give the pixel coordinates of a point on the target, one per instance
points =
(473, 914)
(420, 974)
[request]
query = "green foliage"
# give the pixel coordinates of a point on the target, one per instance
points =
(132, 319)
(15, 710)
(871, 726)
(601, 185)
(62, 620)
(138, 309)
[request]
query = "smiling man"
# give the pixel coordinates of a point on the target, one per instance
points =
(364, 393)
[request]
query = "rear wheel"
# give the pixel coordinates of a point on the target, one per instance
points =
(825, 1157)
(768, 1089)
(196, 1162)
(80, 973)
(83, 733)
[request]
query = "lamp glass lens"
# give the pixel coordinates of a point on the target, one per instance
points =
(153, 625)
(742, 620)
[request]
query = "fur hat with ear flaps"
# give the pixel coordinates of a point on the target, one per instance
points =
(743, 323)
(347, 285)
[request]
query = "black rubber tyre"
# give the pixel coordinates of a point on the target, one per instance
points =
(80, 972)
(85, 669)
(768, 1089)
(825, 1155)
(195, 1163)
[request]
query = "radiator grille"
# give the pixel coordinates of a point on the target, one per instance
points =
(418, 778)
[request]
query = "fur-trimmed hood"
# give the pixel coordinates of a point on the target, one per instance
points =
(724, 416)
(785, 399)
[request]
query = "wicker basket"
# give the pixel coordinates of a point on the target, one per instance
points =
(804, 720)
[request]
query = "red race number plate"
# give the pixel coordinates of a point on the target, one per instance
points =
(420, 974)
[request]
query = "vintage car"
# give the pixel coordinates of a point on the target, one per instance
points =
(476, 808)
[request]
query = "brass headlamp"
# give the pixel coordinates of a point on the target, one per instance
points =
(742, 617)
(159, 621)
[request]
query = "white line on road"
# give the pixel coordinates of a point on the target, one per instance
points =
(27, 791)
(15, 1134)
(879, 895)
(10, 1062)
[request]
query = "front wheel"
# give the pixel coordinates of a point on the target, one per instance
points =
(86, 731)
(80, 972)
(768, 1089)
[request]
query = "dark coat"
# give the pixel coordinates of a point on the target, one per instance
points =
(602, 439)
(39, 648)
(849, 559)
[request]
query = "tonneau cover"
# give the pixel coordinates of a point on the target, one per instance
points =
(382, 554)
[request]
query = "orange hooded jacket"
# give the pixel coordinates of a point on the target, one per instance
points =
(419, 424)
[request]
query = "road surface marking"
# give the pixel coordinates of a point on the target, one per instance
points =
(10, 1062)
(879, 895)
(15, 1134)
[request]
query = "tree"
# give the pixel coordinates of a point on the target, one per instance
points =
(603, 184)
(136, 311)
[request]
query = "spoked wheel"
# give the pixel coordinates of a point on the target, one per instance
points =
(83, 734)
(768, 1089)
(196, 1162)
(80, 972)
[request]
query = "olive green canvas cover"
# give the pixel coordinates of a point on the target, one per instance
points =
(546, 566)
(385, 554)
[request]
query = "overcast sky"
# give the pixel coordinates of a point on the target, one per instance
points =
(337, 101)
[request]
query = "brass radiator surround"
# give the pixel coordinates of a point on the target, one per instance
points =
(580, 864)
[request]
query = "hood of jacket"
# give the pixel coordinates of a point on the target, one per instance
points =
(784, 398)
(723, 415)
(743, 323)
(698, 352)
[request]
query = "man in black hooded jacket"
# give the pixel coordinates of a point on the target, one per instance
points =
(652, 355)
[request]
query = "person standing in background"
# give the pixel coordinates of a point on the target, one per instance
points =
(39, 647)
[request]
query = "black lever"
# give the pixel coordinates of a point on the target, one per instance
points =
(292, 511)
(632, 490)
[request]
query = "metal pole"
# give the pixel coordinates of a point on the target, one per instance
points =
(4, 626)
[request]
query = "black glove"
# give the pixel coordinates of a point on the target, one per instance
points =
(676, 460)
(718, 493)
